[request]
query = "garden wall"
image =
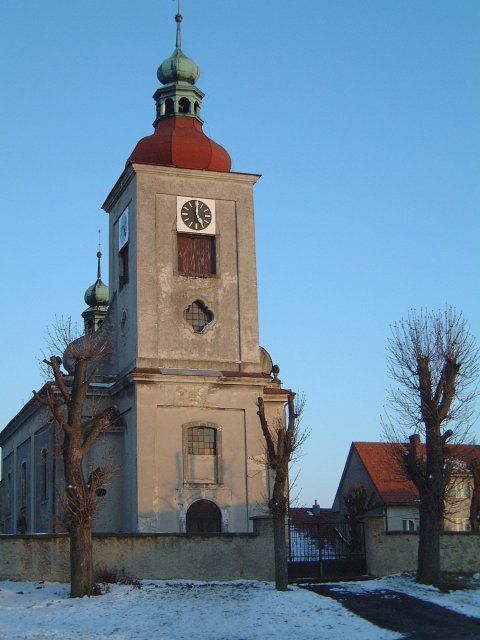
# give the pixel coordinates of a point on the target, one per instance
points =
(146, 556)
(393, 552)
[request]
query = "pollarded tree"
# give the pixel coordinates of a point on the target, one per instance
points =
(66, 399)
(282, 441)
(433, 358)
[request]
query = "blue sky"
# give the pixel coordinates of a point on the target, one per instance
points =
(362, 118)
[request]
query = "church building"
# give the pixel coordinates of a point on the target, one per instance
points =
(186, 369)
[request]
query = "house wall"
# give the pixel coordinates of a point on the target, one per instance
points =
(144, 556)
(389, 553)
(354, 474)
(396, 515)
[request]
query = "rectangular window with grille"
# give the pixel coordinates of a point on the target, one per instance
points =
(196, 254)
(202, 441)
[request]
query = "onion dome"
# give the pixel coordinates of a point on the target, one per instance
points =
(97, 297)
(97, 294)
(179, 67)
(179, 140)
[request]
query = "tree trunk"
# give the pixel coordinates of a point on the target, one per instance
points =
(80, 512)
(280, 551)
(81, 561)
(428, 567)
(475, 503)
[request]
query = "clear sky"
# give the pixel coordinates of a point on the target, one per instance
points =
(362, 117)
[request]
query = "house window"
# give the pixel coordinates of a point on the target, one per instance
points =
(202, 454)
(196, 254)
(43, 476)
(123, 266)
(460, 489)
(408, 525)
(203, 516)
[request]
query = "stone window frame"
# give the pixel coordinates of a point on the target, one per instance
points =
(186, 460)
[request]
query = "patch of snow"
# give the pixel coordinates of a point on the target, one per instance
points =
(178, 610)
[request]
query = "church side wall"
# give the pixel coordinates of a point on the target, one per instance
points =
(146, 556)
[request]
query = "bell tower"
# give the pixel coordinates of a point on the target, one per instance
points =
(182, 241)
(183, 320)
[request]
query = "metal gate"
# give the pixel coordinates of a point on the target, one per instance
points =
(326, 550)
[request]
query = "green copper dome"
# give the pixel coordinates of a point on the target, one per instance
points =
(97, 294)
(178, 67)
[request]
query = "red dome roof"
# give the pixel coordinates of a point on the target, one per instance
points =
(179, 141)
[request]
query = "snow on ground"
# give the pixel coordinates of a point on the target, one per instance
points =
(177, 610)
(465, 601)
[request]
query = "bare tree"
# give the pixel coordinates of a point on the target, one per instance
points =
(357, 504)
(66, 397)
(433, 358)
(282, 442)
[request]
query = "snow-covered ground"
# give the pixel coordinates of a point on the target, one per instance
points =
(173, 610)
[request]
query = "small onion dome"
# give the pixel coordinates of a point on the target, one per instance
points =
(178, 68)
(97, 294)
(180, 142)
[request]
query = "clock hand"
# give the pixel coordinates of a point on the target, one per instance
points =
(199, 219)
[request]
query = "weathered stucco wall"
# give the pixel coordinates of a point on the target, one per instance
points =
(155, 557)
(389, 553)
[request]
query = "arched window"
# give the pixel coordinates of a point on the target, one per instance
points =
(203, 516)
(23, 486)
(184, 105)
(196, 108)
(43, 476)
(168, 106)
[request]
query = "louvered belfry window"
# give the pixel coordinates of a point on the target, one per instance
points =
(196, 254)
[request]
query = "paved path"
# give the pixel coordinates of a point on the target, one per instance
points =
(417, 619)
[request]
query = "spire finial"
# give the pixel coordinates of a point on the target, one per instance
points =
(99, 255)
(178, 20)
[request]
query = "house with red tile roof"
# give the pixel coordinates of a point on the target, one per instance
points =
(375, 467)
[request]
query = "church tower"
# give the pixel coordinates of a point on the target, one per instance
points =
(184, 323)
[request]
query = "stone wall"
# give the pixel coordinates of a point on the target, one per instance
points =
(146, 556)
(393, 552)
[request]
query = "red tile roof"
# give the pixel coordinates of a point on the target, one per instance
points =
(381, 462)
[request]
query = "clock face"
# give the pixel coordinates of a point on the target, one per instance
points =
(123, 229)
(196, 215)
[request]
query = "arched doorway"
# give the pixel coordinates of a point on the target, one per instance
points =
(203, 516)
